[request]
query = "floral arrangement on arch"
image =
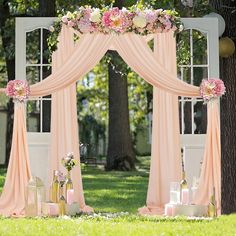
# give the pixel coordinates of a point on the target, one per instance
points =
(18, 90)
(69, 162)
(108, 20)
(140, 20)
(211, 89)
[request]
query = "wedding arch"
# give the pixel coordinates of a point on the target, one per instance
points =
(70, 62)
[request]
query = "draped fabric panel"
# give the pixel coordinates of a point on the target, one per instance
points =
(70, 66)
(64, 122)
(92, 47)
(12, 200)
(165, 161)
(142, 60)
(86, 54)
(211, 167)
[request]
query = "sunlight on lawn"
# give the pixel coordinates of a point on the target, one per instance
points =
(115, 192)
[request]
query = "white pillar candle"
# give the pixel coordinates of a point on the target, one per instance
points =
(168, 209)
(70, 196)
(185, 196)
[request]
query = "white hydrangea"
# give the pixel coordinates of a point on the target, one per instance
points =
(95, 16)
(140, 21)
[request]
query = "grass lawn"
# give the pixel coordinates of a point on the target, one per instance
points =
(115, 197)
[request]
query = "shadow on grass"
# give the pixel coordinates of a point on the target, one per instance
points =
(114, 191)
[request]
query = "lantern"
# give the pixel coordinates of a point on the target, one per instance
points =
(35, 196)
(226, 47)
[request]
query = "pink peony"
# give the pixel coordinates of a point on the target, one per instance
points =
(116, 20)
(211, 89)
(18, 90)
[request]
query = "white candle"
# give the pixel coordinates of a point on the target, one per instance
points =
(70, 196)
(185, 196)
(168, 209)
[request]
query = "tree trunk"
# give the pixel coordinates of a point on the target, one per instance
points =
(47, 7)
(7, 42)
(120, 150)
(228, 112)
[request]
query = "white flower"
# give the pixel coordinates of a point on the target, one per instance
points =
(95, 16)
(181, 28)
(124, 9)
(64, 19)
(140, 21)
(51, 28)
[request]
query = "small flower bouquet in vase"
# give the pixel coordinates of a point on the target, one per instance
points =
(69, 163)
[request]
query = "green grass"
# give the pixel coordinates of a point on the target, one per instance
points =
(2, 178)
(115, 191)
(111, 193)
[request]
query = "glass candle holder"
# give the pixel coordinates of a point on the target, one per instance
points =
(174, 192)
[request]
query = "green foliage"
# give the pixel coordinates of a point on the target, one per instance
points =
(53, 37)
(139, 103)
(92, 96)
(22, 7)
(2, 178)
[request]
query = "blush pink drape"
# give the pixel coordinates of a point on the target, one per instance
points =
(165, 161)
(92, 47)
(211, 167)
(67, 69)
(12, 200)
(64, 125)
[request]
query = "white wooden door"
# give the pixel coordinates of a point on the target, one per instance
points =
(198, 57)
(32, 64)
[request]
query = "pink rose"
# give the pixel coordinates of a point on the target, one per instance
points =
(71, 23)
(64, 19)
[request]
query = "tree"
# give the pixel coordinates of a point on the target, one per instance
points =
(7, 34)
(120, 154)
(228, 111)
